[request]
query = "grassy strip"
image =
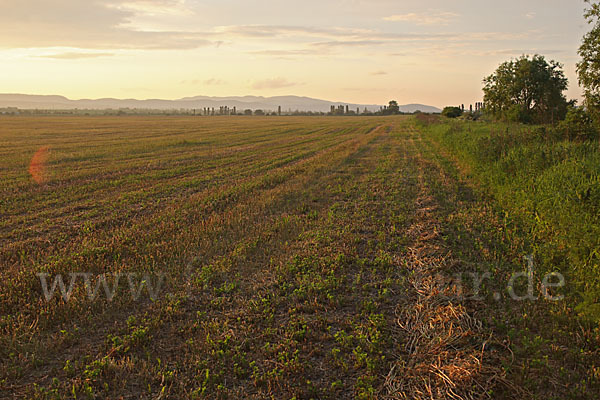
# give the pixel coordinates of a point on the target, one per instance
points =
(554, 351)
(550, 187)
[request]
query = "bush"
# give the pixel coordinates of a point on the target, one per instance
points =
(516, 113)
(578, 125)
(452, 112)
(472, 116)
(426, 119)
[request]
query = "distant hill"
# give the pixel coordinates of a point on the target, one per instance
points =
(411, 108)
(25, 101)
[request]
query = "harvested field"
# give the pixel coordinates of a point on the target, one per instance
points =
(239, 257)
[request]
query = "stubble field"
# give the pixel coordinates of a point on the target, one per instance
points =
(251, 257)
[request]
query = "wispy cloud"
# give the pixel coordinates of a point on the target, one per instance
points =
(109, 25)
(272, 31)
(272, 83)
(426, 18)
(511, 52)
(283, 53)
(88, 25)
(152, 7)
(214, 81)
(380, 72)
(413, 43)
(205, 82)
(349, 43)
(76, 55)
(497, 36)
(335, 34)
(457, 49)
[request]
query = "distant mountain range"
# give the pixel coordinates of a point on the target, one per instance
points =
(25, 101)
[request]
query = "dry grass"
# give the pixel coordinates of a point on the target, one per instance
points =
(444, 344)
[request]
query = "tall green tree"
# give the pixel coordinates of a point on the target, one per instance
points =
(527, 90)
(393, 107)
(588, 69)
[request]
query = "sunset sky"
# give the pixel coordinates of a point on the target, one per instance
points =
(429, 51)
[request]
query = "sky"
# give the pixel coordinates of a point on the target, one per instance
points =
(361, 51)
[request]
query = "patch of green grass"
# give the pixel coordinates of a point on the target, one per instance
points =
(549, 187)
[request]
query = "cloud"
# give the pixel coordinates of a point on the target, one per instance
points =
(530, 15)
(339, 36)
(104, 39)
(289, 54)
(426, 18)
(350, 38)
(152, 7)
(378, 38)
(349, 43)
(374, 39)
(108, 25)
(214, 81)
(275, 52)
(87, 25)
(497, 36)
(272, 83)
(259, 31)
(76, 55)
(511, 52)
(380, 72)
(206, 82)
(458, 49)
(273, 31)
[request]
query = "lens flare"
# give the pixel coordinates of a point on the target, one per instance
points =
(37, 166)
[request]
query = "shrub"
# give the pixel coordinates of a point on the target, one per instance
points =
(578, 125)
(452, 112)
(426, 119)
(516, 113)
(473, 116)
